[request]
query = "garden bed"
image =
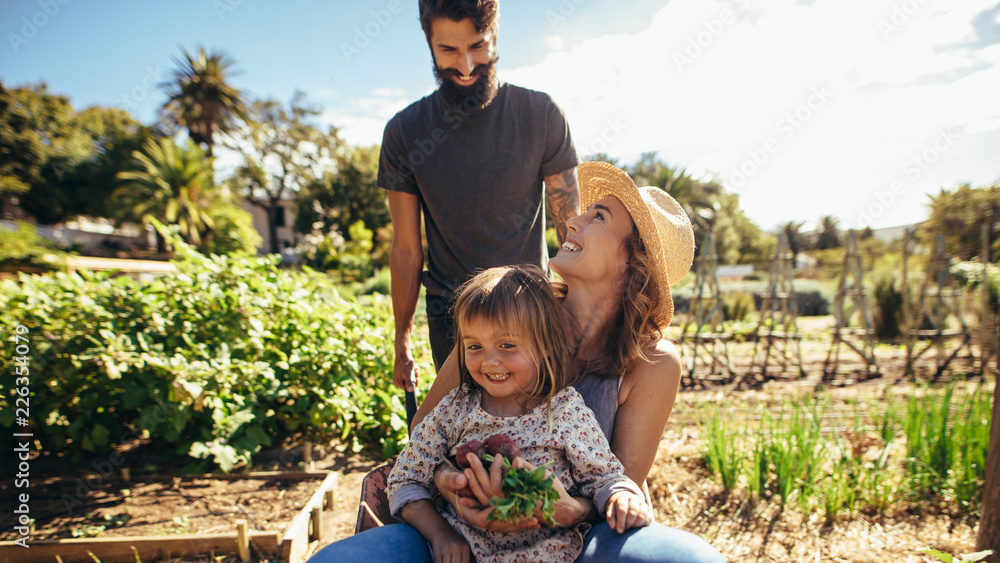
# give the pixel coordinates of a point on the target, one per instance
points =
(171, 516)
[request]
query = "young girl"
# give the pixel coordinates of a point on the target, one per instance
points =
(513, 363)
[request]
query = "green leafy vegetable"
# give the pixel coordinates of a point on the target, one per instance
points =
(524, 489)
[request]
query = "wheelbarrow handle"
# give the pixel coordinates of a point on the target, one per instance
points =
(411, 407)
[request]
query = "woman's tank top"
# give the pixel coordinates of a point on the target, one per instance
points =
(601, 395)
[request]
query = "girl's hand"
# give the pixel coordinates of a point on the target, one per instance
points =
(627, 510)
(486, 484)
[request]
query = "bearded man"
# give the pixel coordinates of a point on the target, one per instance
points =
(473, 159)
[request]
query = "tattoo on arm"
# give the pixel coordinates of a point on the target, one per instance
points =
(563, 195)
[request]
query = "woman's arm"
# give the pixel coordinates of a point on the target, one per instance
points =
(645, 401)
(446, 543)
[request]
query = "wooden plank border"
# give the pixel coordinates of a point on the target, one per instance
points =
(299, 534)
(291, 548)
(265, 544)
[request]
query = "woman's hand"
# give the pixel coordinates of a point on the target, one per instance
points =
(449, 547)
(569, 511)
(453, 486)
(627, 510)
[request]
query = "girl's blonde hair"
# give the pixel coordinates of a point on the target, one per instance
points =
(521, 301)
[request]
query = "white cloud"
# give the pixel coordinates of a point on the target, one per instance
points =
(361, 121)
(803, 110)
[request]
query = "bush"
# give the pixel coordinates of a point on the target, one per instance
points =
(233, 232)
(737, 305)
(226, 356)
(888, 309)
(23, 249)
(350, 259)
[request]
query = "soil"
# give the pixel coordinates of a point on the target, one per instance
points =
(153, 506)
(684, 493)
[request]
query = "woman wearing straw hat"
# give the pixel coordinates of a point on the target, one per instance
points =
(618, 262)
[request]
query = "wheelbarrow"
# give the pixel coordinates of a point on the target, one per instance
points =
(373, 509)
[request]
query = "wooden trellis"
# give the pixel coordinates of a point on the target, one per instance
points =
(778, 335)
(935, 310)
(851, 302)
(709, 348)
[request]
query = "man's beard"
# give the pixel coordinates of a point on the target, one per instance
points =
(473, 97)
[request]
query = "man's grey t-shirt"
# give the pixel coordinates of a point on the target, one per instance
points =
(478, 175)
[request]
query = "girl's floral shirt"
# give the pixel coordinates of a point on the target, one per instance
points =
(574, 443)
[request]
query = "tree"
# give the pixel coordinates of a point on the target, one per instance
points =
(83, 185)
(201, 99)
(796, 240)
(828, 235)
(699, 199)
(342, 197)
(282, 154)
(710, 207)
(959, 216)
(22, 149)
(737, 239)
(172, 184)
(40, 143)
(58, 162)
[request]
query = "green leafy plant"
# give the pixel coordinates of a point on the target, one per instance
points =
(228, 355)
(524, 490)
(929, 450)
(947, 558)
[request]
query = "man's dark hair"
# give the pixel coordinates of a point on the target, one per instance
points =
(485, 14)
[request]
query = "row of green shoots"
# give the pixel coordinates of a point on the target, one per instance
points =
(872, 457)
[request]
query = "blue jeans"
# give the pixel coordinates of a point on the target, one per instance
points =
(401, 543)
(440, 328)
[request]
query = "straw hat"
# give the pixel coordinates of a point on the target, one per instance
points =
(663, 225)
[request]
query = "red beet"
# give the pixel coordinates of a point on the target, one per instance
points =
(471, 447)
(503, 445)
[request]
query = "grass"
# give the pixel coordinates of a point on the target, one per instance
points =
(869, 456)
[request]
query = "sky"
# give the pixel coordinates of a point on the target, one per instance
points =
(859, 109)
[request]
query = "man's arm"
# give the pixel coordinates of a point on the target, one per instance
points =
(406, 260)
(563, 195)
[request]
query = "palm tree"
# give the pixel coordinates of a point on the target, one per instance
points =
(828, 235)
(172, 184)
(701, 200)
(200, 97)
(796, 240)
